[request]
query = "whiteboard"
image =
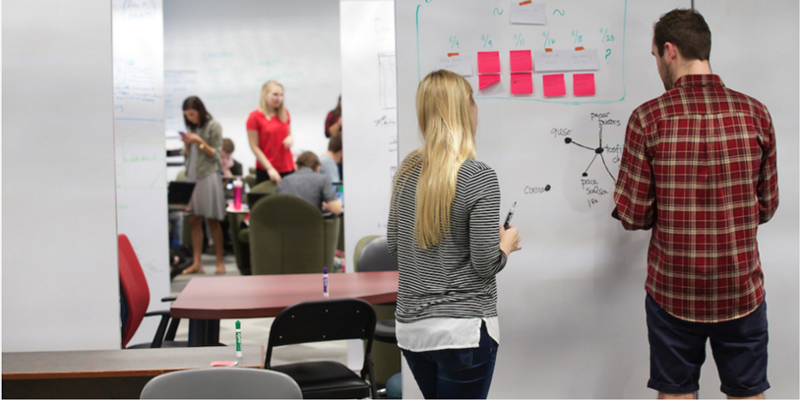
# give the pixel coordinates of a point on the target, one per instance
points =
(369, 113)
(141, 164)
(571, 302)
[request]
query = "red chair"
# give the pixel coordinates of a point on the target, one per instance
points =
(135, 298)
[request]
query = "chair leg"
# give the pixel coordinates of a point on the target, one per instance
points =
(172, 330)
(162, 327)
(371, 373)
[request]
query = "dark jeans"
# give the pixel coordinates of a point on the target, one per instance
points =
(678, 349)
(262, 175)
(456, 373)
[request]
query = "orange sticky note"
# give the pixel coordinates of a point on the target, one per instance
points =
(521, 83)
(579, 48)
(548, 50)
(521, 61)
(583, 84)
(554, 85)
(488, 62)
(487, 80)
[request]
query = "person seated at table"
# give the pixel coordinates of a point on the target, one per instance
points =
(332, 157)
(230, 167)
(308, 184)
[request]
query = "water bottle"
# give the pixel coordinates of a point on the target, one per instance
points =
(237, 194)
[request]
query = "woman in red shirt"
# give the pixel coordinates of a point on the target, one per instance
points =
(270, 135)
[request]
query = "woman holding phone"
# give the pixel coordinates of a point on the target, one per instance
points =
(202, 148)
(270, 135)
(445, 229)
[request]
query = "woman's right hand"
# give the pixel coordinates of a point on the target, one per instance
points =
(509, 240)
(274, 175)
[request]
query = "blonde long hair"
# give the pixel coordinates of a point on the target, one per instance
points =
(262, 104)
(448, 132)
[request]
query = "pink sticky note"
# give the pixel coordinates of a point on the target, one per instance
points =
(488, 62)
(521, 83)
(554, 85)
(583, 84)
(485, 81)
(521, 61)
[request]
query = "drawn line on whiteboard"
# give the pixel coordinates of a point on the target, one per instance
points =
(558, 11)
(139, 119)
(600, 150)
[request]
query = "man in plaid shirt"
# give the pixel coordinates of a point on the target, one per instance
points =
(699, 169)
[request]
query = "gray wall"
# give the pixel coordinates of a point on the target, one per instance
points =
(60, 279)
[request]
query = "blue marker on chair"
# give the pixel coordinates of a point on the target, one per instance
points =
(325, 282)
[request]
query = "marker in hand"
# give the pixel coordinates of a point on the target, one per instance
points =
(510, 215)
(325, 282)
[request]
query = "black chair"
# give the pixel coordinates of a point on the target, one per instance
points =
(374, 256)
(319, 321)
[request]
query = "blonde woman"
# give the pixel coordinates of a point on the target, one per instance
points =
(444, 228)
(270, 135)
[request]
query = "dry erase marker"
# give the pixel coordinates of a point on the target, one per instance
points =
(238, 339)
(510, 215)
(325, 282)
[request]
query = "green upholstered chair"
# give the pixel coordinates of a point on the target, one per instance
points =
(288, 235)
(250, 179)
(385, 355)
(240, 249)
(243, 235)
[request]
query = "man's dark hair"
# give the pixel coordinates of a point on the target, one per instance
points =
(335, 144)
(308, 159)
(687, 30)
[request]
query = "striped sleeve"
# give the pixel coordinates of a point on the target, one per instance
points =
(484, 238)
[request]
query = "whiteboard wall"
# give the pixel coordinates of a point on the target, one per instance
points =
(571, 303)
(233, 47)
(60, 279)
(369, 111)
(141, 162)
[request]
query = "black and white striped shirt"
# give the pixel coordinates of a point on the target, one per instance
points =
(455, 278)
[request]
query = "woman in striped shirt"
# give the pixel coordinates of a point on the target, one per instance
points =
(443, 227)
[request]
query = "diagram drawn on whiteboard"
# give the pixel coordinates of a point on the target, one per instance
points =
(609, 154)
(601, 150)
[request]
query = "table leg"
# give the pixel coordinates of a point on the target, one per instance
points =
(212, 333)
(198, 332)
(203, 332)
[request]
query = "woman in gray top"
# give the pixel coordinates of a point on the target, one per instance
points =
(202, 149)
(444, 229)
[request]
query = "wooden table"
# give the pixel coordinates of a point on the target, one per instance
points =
(107, 373)
(208, 299)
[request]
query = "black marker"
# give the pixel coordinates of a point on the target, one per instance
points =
(510, 215)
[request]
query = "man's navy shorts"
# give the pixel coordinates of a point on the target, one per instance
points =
(678, 349)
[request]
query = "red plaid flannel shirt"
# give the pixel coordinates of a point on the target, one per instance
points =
(699, 168)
